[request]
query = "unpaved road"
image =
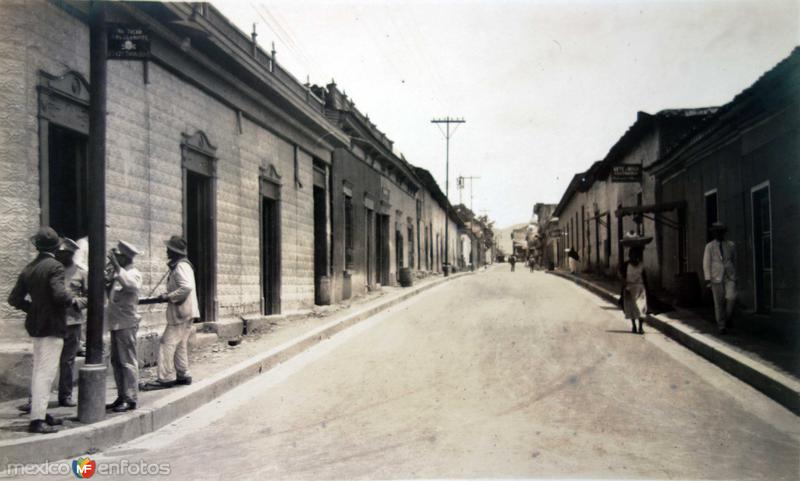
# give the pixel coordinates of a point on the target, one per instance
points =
(496, 375)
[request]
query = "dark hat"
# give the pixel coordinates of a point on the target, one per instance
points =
(176, 244)
(46, 239)
(718, 226)
(126, 249)
(70, 245)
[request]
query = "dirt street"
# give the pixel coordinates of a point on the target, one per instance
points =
(496, 375)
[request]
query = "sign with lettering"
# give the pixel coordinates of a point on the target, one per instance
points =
(626, 173)
(128, 42)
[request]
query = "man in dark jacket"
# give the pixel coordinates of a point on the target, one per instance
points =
(42, 294)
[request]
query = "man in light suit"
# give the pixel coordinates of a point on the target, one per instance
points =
(719, 268)
(182, 310)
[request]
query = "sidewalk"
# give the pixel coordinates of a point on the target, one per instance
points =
(216, 368)
(761, 351)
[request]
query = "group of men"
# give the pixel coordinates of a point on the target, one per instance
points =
(52, 290)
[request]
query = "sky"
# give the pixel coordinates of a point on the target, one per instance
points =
(546, 87)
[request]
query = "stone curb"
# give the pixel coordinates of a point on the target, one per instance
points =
(36, 449)
(780, 387)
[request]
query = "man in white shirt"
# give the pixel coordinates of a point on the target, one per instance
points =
(719, 268)
(123, 324)
(182, 310)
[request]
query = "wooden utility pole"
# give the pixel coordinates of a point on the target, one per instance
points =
(92, 376)
(447, 121)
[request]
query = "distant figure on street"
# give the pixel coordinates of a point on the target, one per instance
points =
(41, 293)
(531, 263)
(513, 261)
(123, 324)
(182, 310)
(77, 283)
(573, 260)
(719, 269)
(634, 288)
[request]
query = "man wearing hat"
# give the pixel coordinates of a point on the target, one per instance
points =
(123, 323)
(182, 310)
(719, 268)
(76, 280)
(42, 281)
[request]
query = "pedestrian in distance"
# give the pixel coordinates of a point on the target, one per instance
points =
(634, 283)
(40, 292)
(531, 263)
(182, 310)
(513, 261)
(573, 260)
(77, 283)
(123, 324)
(719, 270)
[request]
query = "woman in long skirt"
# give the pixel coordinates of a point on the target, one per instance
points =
(634, 290)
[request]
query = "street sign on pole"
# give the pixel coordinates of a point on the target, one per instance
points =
(128, 42)
(626, 173)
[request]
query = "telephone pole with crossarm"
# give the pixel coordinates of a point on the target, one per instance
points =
(447, 121)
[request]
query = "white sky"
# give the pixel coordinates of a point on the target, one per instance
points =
(546, 87)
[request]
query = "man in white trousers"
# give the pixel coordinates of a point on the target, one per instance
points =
(41, 293)
(719, 269)
(182, 310)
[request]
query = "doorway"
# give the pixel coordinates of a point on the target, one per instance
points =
(712, 211)
(270, 256)
(370, 251)
(762, 247)
(199, 237)
(320, 244)
(382, 248)
(398, 252)
(67, 206)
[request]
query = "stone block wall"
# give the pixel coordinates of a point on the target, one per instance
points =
(144, 178)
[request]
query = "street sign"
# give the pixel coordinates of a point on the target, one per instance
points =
(128, 42)
(626, 173)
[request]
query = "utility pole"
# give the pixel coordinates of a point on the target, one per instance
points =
(447, 121)
(92, 376)
(470, 178)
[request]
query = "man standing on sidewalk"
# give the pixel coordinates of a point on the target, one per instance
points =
(41, 293)
(123, 324)
(76, 280)
(719, 268)
(182, 310)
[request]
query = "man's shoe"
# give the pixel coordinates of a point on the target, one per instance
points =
(39, 426)
(117, 402)
(156, 385)
(184, 381)
(51, 421)
(67, 402)
(125, 406)
(25, 408)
